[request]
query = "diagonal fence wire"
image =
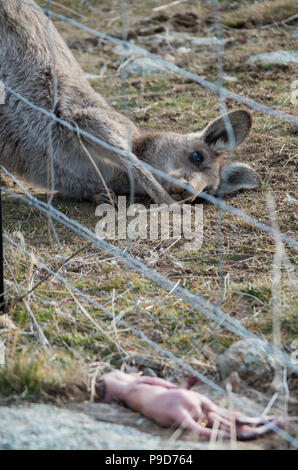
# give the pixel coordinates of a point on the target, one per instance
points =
(231, 137)
(208, 197)
(151, 343)
(174, 68)
(210, 311)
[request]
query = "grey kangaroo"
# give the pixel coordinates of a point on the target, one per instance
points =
(33, 57)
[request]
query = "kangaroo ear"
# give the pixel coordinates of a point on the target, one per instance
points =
(217, 133)
(237, 176)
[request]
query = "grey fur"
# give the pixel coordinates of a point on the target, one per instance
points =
(26, 66)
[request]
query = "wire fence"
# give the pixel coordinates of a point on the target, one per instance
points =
(212, 311)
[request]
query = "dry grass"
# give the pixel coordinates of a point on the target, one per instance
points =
(270, 12)
(42, 377)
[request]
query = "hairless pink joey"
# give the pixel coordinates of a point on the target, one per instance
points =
(173, 406)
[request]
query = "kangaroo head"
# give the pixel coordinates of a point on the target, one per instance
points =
(198, 158)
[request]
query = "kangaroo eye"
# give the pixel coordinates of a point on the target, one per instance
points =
(196, 158)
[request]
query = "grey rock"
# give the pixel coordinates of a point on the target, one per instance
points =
(143, 66)
(92, 76)
(228, 79)
(184, 38)
(250, 360)
(121, 50)
(276, 57)
(150, 372)
(209, 41)
(184, 50)
(156, 336)
(46, 427)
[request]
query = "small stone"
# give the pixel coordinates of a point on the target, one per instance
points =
(208, 41)
(183, 50)
(276, 57)
(250, 360)
(228, 79)
(130, 369)
(92, 76)
(150, 372)
(121, 50)
(170, 58)
(157, 336)
(184, 38)
(142, 66)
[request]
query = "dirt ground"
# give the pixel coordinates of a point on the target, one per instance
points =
(232, 269)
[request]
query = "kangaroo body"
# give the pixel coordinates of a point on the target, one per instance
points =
(37, 64)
